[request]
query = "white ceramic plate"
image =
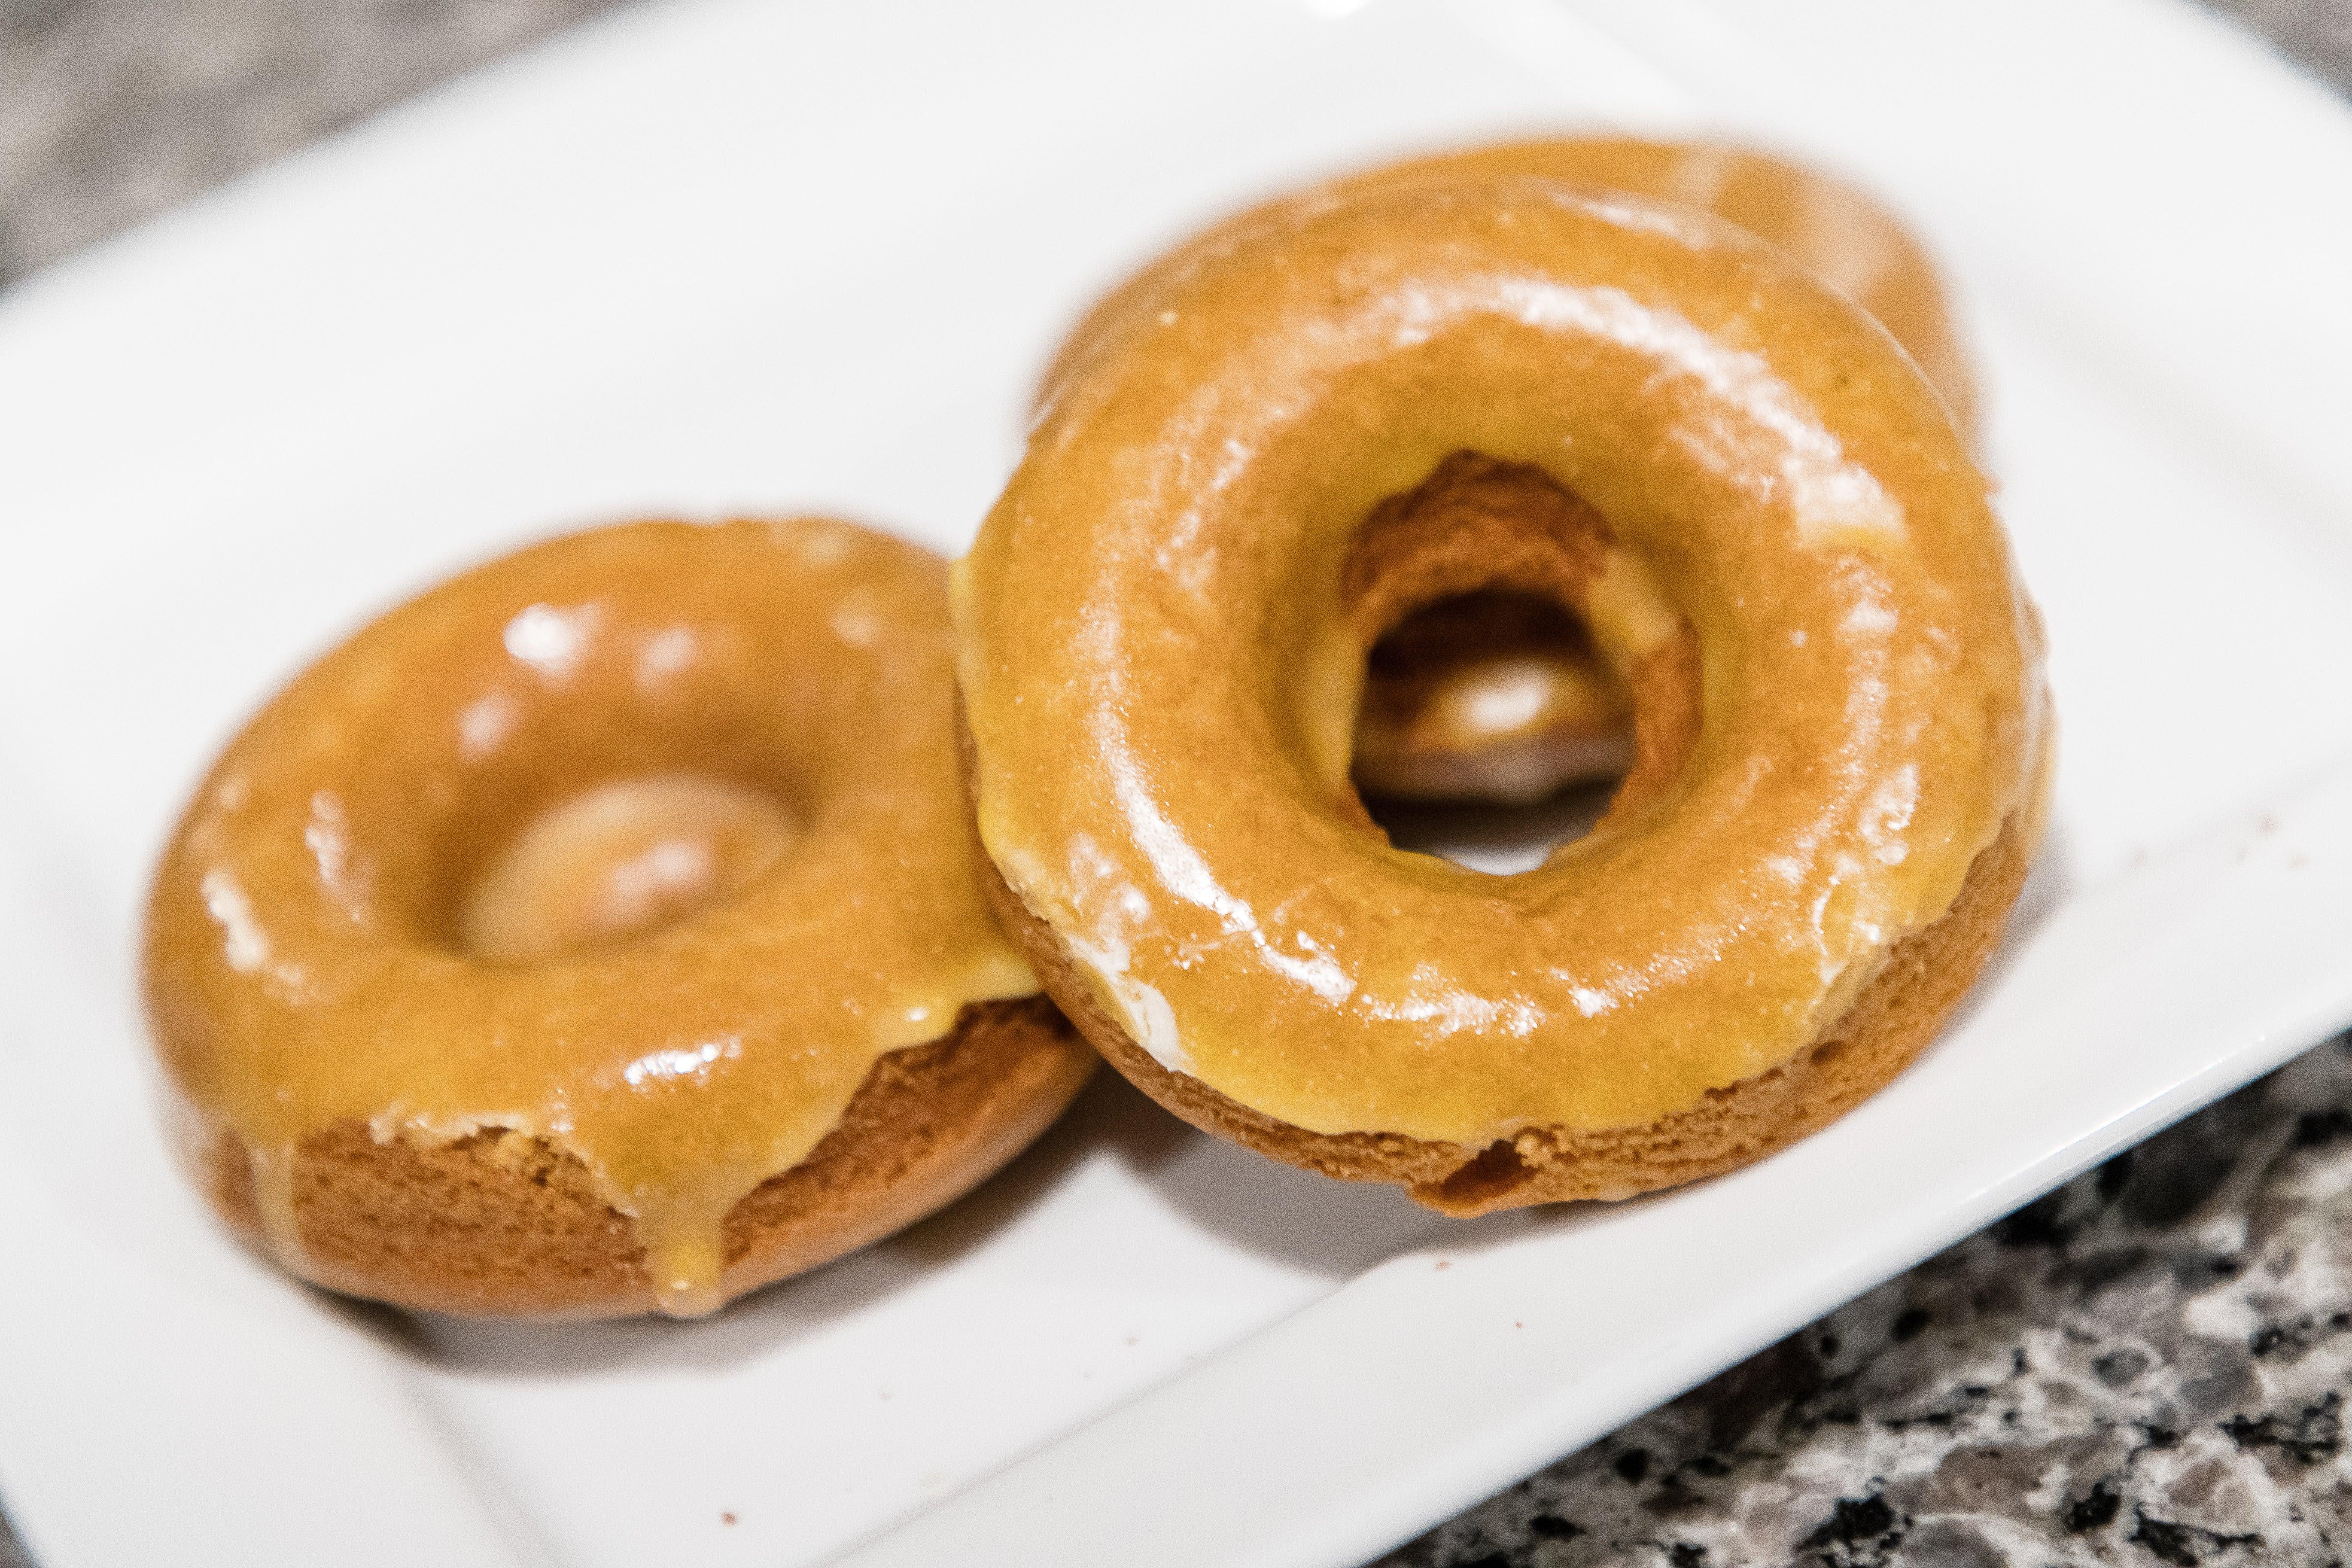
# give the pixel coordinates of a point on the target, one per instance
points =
(720, 254)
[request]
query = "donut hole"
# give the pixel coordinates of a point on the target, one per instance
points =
(1495, 695)
(604, 807)
(1490, 730)
(617, 861)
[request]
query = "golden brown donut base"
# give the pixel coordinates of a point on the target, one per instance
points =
(501, 1224)
(1892, 1019)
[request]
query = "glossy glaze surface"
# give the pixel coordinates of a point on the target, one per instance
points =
(1832, 230)
(315, 936)
(1513, 722)
(1162, 679)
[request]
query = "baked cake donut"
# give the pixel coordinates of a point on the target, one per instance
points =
(599, 933)
(1766, 518)
(1493, 697)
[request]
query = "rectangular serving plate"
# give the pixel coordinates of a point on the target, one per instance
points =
(718, 256)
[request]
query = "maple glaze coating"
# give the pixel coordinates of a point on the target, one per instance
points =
(1832, 230)
(1161, 665)
(1484, 711)
(751, 721)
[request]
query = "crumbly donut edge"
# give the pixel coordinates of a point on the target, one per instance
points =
(504, 1225)
(1891, 1020)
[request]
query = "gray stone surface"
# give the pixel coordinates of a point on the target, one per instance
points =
(110, 110)
(2318, 32)
(2149, 1367)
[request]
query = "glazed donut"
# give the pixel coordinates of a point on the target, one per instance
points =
(1490, 698)
(1768, 520)
(598, 933)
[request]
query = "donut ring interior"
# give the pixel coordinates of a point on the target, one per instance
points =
(1770, 524)
(598, 932)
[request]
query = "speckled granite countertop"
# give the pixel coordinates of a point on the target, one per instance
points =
(2147, 1367)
